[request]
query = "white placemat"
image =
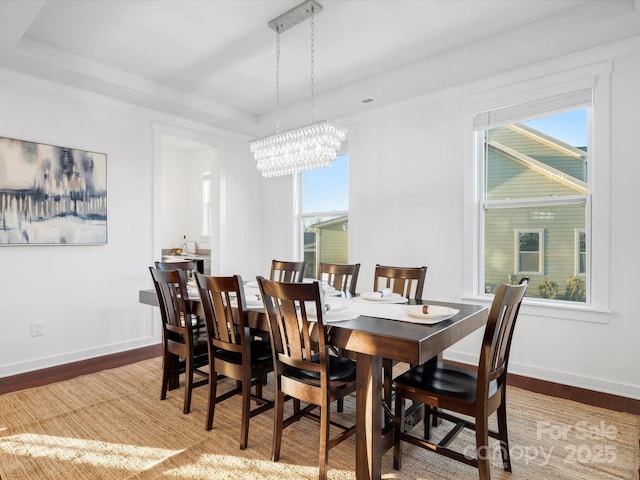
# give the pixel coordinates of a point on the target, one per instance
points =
(250, 300)
(388, 310)
(395, 298)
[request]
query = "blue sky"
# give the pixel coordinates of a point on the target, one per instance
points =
(327, 189)
(570, 127)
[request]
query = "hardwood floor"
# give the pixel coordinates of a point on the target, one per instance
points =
(75, 369)
(71, 370)
(582, 395)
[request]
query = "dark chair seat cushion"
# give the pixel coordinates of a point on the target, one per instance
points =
(340, 368)
(444, 380)
(260, 354)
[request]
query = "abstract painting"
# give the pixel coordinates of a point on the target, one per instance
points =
(51, 195)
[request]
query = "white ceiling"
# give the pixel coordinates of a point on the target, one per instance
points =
(214, 60)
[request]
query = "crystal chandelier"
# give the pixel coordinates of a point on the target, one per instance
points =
(304, 148)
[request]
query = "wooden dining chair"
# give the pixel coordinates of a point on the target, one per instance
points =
(465, 391)
(283, 271)
(408, 282)
(190, 267)
(184, 348)
(343, 277)
(233, 352)
(304, 369)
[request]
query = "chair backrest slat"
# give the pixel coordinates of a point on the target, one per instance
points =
(283, 271)
(406, 281)
(343, 277)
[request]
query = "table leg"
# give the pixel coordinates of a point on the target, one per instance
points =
(369, 442)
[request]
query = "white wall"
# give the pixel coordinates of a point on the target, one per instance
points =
(175, 222)
(87, 296)
(241, 212)
(181, 194)
(406, 192)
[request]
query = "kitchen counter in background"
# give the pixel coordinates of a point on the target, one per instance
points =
(202, 257)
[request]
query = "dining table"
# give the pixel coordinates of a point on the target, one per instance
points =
(375, 329)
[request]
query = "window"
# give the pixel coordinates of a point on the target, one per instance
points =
(534, 159)
(325, 215)
(529, 254)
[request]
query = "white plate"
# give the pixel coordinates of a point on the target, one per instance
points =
(251, 284)
(390, 298)
(434, 313)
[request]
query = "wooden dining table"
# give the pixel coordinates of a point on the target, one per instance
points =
(373, 338)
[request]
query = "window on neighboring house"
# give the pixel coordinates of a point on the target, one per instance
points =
(529, 254)
(534, 160)
(206, 205)
(325, 215)
(581, 252)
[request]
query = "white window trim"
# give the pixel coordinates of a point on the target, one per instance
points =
(206, 207)
(597, 77)
(540, 232)
(576, 262)
(298, 229)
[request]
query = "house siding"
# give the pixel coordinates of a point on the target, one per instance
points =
(558, 224)
(330, 244)
(509, 178)
(333, 242)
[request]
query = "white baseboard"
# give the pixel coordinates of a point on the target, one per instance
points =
(556, 376)
(53, 361)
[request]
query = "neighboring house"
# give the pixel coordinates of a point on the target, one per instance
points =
(326, 241)
(544, 242)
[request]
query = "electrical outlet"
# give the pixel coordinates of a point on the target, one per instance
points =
(36, 329)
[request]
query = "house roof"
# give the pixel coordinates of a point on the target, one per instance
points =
(549, 156)
(330, 222)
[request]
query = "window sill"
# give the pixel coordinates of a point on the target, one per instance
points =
(558, 310)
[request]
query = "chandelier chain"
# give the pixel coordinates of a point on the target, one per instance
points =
(312, 61)
(277, 81)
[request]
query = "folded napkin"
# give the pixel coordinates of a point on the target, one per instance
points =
(193, 292)
(333, 312)
(311, 307)
(382, 293)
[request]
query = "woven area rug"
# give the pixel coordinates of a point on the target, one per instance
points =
(112, 425)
